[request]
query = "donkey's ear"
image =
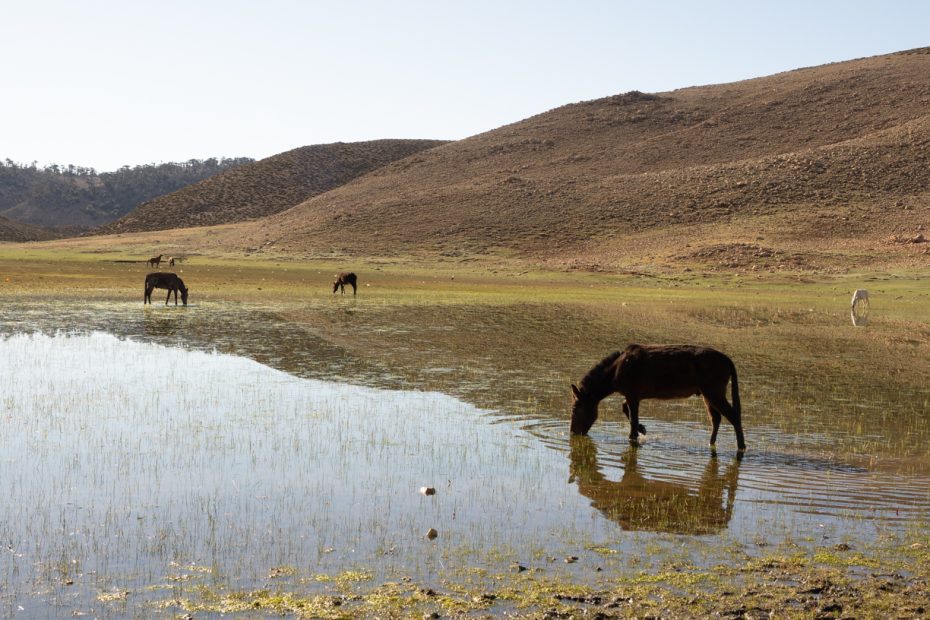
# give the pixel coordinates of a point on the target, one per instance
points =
(576, 392)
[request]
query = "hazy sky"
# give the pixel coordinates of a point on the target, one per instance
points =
(108, 83)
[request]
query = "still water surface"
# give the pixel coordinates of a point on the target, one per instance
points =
(133, 450)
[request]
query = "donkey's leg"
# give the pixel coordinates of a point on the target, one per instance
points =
(626, 412)
(632, 407)
(720, 403)
(714, 416)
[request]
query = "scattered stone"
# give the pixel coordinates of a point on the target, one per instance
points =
(431, 533)
(428, 490)
(484, 598)
(517, 567)
(831, 608)
(571, 559)
(589, 600)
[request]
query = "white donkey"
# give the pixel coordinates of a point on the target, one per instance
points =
(861, 295)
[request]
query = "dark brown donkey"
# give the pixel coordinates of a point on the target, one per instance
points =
(659, 371)
(170, 281)
(342, 279)
(155, 261)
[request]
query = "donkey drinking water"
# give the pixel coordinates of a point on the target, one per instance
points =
(659, 371)
(170, 281)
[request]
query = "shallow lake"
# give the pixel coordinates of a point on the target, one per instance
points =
(143, 450)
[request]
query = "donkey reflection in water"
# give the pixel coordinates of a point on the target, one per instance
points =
(637, 502)
(342, 280)
(169, 281)
(659, 371)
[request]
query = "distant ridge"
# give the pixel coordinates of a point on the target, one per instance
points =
(265, 187)
(72, 199)
(824, 158)
(11, 230)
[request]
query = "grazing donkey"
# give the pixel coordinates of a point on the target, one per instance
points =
(169, 281)
(860, 296)
(659, 371)
(342, 279)
(155, 261)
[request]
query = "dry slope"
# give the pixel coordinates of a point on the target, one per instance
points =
(826, 158)
(264, 187)
(11, 230)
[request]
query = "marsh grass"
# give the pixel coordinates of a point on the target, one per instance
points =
(226, 487)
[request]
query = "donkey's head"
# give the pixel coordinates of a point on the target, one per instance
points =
(584, 412)
(184, 294)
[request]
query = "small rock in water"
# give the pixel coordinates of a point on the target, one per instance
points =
(428, 490)
(431, 533)
(517, 567)
(571, 559)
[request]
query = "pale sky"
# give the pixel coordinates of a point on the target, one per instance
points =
(107, 83)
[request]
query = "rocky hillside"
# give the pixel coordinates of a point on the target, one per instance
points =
(267, 186)
(824, 159)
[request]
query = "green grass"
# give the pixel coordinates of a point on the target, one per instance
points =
(510, 339)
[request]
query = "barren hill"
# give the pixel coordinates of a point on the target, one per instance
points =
(11, 230)
(267, 186)
(825, 159)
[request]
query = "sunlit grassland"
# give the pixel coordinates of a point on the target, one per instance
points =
(832, 492)
(483, 280)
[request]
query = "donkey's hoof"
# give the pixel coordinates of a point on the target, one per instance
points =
(642, 429)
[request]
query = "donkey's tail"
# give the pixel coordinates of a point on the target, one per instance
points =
(735, 388)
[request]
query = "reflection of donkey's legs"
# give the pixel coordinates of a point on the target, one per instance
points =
(718, 402)
(626, 412)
